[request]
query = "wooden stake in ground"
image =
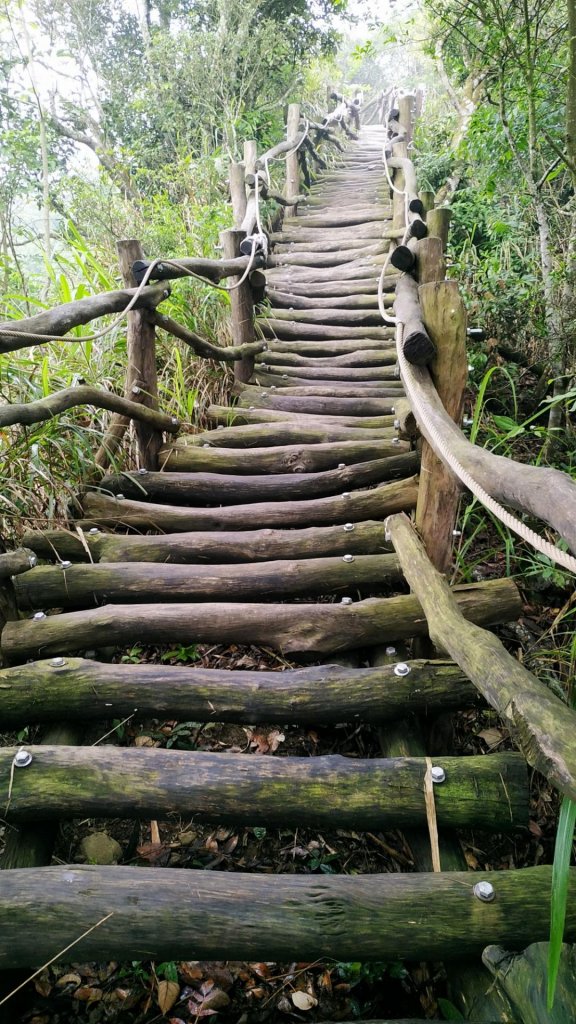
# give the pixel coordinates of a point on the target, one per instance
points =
(242, 307)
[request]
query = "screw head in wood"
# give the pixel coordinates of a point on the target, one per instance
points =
(65, 564)
(456, 533)
(347, 558)
(401, 669)
(284, 376)
(22, 758)
(142, 472)
(174, 420)
(396, 424)
(220, 426)
(250, 408)
(346, 600)
(392, 409)
(93, 530)
(341, 465)
(264, 366)
(272, 387)
(166, 293)
(345, 494)
(58, 662)
(120, 497)
(390, 651)
(32, 561)
(484, 891)
(438, 774)
(39, 615)
(348, 527)
(206, 445)
(135, 389)
(395, 440)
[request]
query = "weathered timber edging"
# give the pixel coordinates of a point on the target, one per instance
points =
(328, 791)
(297, 628)
(543, 725)
(60, 401)
(161, 914)
(81, 689)
(295, 458)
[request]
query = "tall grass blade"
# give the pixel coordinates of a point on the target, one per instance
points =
(559, 893)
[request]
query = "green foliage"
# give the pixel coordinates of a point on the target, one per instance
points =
(559, 893)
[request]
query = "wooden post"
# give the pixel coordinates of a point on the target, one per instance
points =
(238, 192)
(398, 199)
(242, 306)
(438, 221)
(250, 156)
(427, 200)
(292, 186)
(445, 318)
(406, 107)
(141, 378)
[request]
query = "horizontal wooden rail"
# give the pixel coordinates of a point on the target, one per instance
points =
(27, 413)
(77, 689)
(318, 792)
(213, 270)
(201, 347)
(64, 318)
(297, 628)
(163, 914)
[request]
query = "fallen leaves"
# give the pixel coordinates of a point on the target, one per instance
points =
(303, 1000)
(167, 995)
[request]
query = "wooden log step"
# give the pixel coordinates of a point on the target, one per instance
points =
(291, 628)
(337, 290)
(272, 327)
(348, 507)
(339, 347)
(219, 414)
(298, 234)
(292, 458)
(291, 300)
(230, 489)
(326, 387)
(347, 218)
(355, 271)
(338, 317)
(362, 357)
(360, 390)
(326, 372)
(220, 546)
(328, 259)
(335, 406)
(328, 244)
(363, 918)
(310, 792)
(83, 586)
(80, 689)
(263, 430)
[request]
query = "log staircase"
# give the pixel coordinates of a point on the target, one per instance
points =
(267, 529)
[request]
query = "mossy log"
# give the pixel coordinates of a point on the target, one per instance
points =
(206, 349)
(547, 493)
(356, 407)
(354, 506)
(61, 319)
(346, 218)
(69, 398)
(12, 563)
(159, 912)
(271, 433)
(522, 978)
(250, 417)
(190, 548)
(327, 259)
(292, 458)
(362, 357)
(349, 301)
(296, 628)
(296, 235)
(328, 244)
(310, 792)
(327, 694)
(308, 371)
(335, 289)
(331, 348)
(288, 329)
(214, 270)
(543, 726)
(333, 387)
(83, 586)
(407, 424)
(363, 389)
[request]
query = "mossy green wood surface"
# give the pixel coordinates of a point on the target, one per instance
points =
(332, 405)
(344, 422)
(240, 546)
(162, 914)
(281, 432)
(83, 586)
(522, 978)
(301, 332)
(42, 691)
(544, 727)
(353, 506)
(294, 458)
(328, 791)
(296, 628)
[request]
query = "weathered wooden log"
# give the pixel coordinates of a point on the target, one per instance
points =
(297, 235)
(97, 782)
(272, 427)
(272, 327)
(12, 563)
(356, 271)
(294, 458)
(228, 489)
(60, 401)
(325, 694)
(417, 345)
(220, 546)
(329, 349)
(241, 307)
(322, 404)
(62, 319)
(141, 372)
(522, 978)
(288, 300)
(338, 291)
(542, 724)
(347, 218)
(333, 387)
(201, 347)
(291, 628)
(328, 316)
(82, 586)
(415, 204)
(547, 493)
(338, 373)
(329, 259)
(354, 506)
(213, 270)
(236, 172)
(424, 258)
(363, 917)
(438, 221)
(362, 357)
(407, 424)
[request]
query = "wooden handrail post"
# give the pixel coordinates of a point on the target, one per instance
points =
(141, 376)
(292, 186)
(250, 156)
(406, 118)
(438, 221)
(427, 200)
(242, 306)
(236, 174)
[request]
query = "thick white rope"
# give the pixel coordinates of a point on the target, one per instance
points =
(563, 558)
